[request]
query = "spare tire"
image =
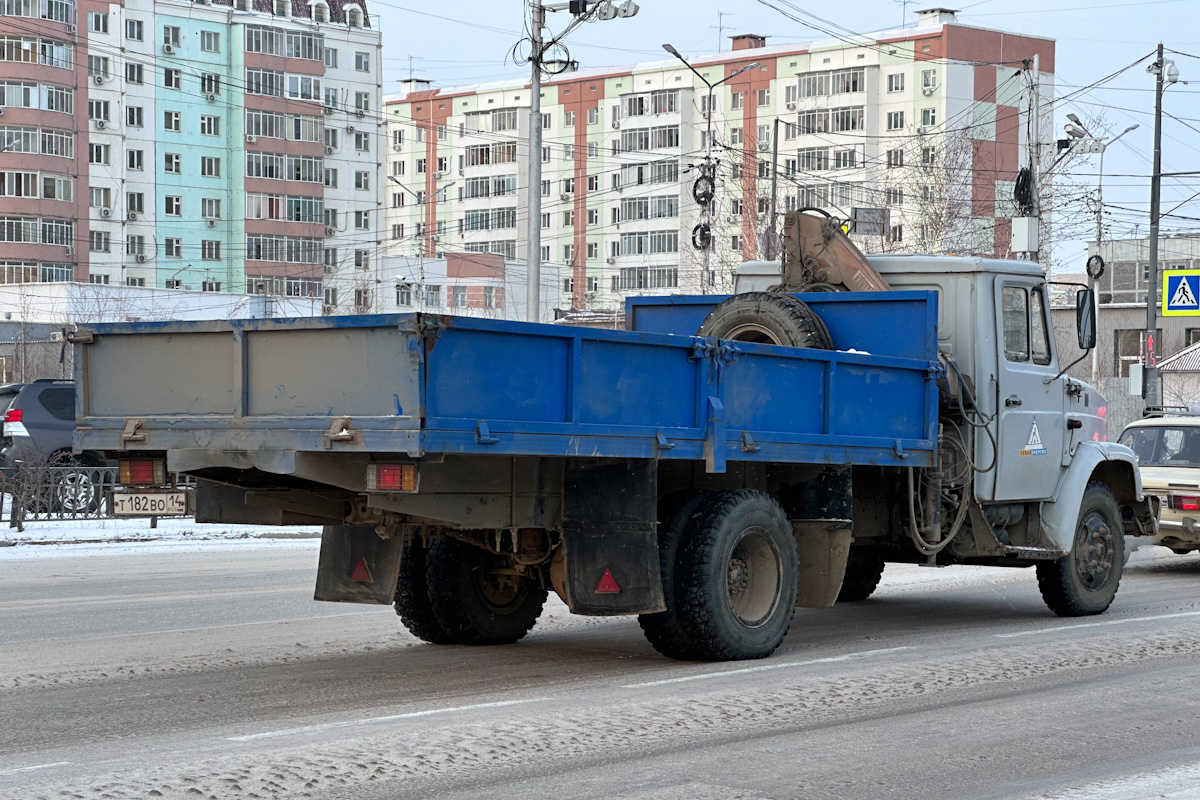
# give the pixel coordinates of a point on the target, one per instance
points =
(767, 318)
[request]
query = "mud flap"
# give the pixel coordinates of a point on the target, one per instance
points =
(356, 566)
(823, 552)
(610, 511)
(821, 510)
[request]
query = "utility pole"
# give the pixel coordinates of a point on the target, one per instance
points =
(1035, 147)
(773, 231)
(1161, 69)
(533, 255)
(603, 10)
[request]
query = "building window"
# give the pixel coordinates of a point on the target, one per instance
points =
(98, 109)
(98, 22)
(173, 163)
(210, 208)
(362, 220)
(98, 153)
(210, 41)
(362, 142)
(895, 120)
(928, 117)
(135, 281)
(895, 158)
(895, 82)
(134, 30)
(764, 97)
(210, 167)
(173, 205)
(97, 67)
(210, 286)
(133, 73)
(331, 57)
(896, 234)
(135, 245)
(894, 196)
(173, 247)
(362, 259)
(173, 78)
(134, 159)
(210, 83)
(738, 100)
(210, 125)
(99, 241)
(171, 121)
(735, 243)
(136, 202)
(171, 36)
(929, 79)
(210, 250)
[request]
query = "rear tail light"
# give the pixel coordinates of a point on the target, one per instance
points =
(1184, 503)
(12, 415)
(391, 477)
(142, 472)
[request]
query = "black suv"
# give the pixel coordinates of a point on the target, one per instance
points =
(38, 424)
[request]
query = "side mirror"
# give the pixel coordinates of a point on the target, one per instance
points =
(1085, 318)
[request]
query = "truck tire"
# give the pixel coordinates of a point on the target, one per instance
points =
(1085, 581)
(665, 630)
(863, 571)
(473, 605)
(767, 318)
(412, 601)
(738, 571)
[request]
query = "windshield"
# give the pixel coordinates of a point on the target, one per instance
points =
(1164, 446)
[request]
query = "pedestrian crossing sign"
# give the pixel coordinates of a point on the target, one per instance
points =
(1181, 293)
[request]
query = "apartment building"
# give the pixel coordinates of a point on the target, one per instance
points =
(923, 127)
(225, 146)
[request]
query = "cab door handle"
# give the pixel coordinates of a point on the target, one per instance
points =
(1012, 401)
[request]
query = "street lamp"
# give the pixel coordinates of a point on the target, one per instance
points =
(709, 169)
(1092, 144)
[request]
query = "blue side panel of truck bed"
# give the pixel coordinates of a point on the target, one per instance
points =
(417, 384)
(889, 323)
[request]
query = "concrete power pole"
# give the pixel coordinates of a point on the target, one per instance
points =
(1150, 373)
(533, 254)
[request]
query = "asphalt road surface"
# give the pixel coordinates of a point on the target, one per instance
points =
(212, 674)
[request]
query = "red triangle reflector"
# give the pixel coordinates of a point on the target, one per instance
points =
(608, 584)
(361, 572)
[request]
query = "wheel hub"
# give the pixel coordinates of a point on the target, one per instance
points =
(1094, 550)
(737, 576)
(753, 578)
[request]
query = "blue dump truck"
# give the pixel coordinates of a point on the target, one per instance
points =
(718, 464)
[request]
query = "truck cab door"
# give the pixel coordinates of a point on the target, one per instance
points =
(1031, 402)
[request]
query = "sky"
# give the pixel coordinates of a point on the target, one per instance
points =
(462, 42)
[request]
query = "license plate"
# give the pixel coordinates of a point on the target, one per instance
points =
(162, 504)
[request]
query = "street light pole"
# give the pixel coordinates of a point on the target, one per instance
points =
(1097, 145)
(709, 167)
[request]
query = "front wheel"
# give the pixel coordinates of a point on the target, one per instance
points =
(1085, 581)
(863, 572)
(737, 569)
(476, 597)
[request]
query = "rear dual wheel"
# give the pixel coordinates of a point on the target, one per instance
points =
(453, 592)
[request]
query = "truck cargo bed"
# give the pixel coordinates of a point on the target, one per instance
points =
(420, 384)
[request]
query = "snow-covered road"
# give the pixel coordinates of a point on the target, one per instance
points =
(198, 669)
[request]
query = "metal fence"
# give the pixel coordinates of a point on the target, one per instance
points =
(71, 492)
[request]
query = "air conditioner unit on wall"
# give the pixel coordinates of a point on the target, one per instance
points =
(328, 151)
(616, 124)
(928, 90)
(98, 79)
(210, 97)
(251, 139)
(330, 231)
(141, 258)
(100, 124)
(132, 216)
(106, 212)
(328, 109)
(397, 147)
(791, 106)
(212, 223)
(168, 49)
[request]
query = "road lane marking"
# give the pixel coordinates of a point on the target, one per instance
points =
(15, 770)
(1123, 621)
(410, 715)
(25, 605)
(765, 667)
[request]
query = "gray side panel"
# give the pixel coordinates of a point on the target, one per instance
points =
(148, 374)
(337, 371)
(610, 513)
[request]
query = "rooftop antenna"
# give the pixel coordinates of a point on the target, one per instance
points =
(720, 28)
(903, 12)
